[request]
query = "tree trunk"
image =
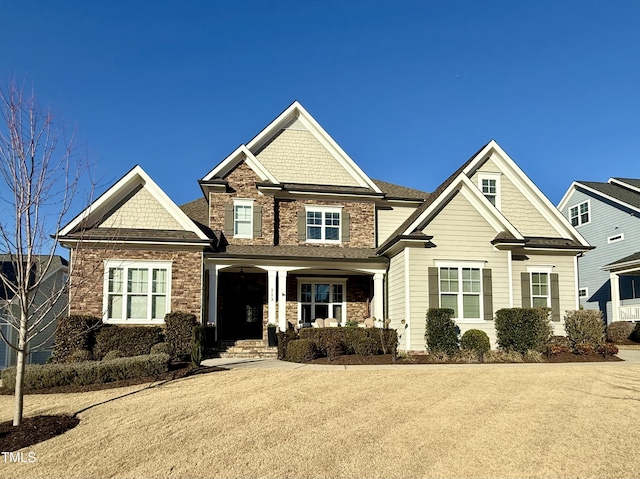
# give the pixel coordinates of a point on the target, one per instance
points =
(20, 363)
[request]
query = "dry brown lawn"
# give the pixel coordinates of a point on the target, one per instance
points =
(532, 420)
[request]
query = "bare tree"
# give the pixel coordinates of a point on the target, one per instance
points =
(41, 173)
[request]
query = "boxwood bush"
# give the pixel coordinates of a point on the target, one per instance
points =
(332, 342)
(74, 333)
(441, 333)
(520, 329)
(302, 351)
(179, 333)
(43, 376)
(129, 340)
(475, 340)
(620, 331)
(584, 326)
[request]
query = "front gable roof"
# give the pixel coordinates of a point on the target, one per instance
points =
(135, 179)
(295, 114)
(460, 181)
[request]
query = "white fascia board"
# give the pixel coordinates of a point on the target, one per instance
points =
(136, 176)
(462, 183)
(528, 188)
(623, 184)
(567, 196)
(607, 197)
(231, 161)
(296, 109)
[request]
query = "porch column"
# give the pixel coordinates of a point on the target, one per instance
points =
(615, 296)
(271, 291)
(378, 296)
(282, 300)
(213, 295)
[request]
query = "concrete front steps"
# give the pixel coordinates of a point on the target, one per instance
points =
(243, 348)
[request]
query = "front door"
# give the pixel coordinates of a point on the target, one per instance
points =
(241, 297)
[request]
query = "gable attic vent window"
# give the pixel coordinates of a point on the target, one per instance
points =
(489, 184)
(615, 238)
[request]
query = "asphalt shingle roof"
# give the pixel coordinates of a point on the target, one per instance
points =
(617, 192)
(133, 234)
(627, 259)
(300, 252)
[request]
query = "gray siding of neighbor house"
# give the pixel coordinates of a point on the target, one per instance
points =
(607, 219)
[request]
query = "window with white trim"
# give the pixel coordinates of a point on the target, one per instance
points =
(461, 290)
(137, 291)
(243, 218)
(615, 238)
(323, 224)
(540, 290)
(583, 293)
(579, 214)
(489, 184)
(321, 299)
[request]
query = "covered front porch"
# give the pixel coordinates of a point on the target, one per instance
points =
(624, 277)
(243, 297)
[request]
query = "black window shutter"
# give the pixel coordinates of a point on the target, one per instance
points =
(525, 282)
(434, 288)
(257, 221)
(487, 294)
(555, 297)
(302, 225)
(346, 220)
(228, 220)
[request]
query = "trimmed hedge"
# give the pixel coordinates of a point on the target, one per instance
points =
(283, 341)
(520, 329)
(178, 332)
(197, 344)
(129, 340)
(475, 340)
(584, 326)
(43, 376)
(620, 331)
(74, 333)
(441, 332)
(332, 342)
(302, 351)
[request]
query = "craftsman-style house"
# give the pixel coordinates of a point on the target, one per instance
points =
(290, 230)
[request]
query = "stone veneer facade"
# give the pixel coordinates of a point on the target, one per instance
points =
(88, 277)
(280, 217)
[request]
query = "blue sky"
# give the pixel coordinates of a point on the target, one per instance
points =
(409, 89)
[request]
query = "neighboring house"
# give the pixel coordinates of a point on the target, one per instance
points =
(290, 229)
(42, 344)
(607, 215)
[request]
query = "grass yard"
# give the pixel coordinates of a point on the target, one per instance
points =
(532, 420)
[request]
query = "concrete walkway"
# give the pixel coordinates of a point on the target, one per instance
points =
(630, 357)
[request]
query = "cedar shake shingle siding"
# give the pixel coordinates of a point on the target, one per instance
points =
(87, 283)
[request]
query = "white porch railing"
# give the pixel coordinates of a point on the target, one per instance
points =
(630, 313)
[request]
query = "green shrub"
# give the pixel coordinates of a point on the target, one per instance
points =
(283, 341)
(475, 340)
(441, 332)
(635, 334)
(78, 356)
(558, 345)
(302, 351)
(73, 333)
(335, 341)
(43, 376)
(159, 348)
(620, 331)
(531, 356)
(519, 329)
(179, 332)
(367, 346)
(584, 326)
(197, 344)
(113, 355)
(352, 324)
(129, 340)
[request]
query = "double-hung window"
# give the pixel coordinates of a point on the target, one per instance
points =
(461, 290)
(137, 291)
(243, 218)
(579, 214)
(323, 224)
(489, 184)
(321, 299)
(540, 290)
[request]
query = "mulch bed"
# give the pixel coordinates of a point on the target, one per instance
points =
(176, 371)
(355, 359)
